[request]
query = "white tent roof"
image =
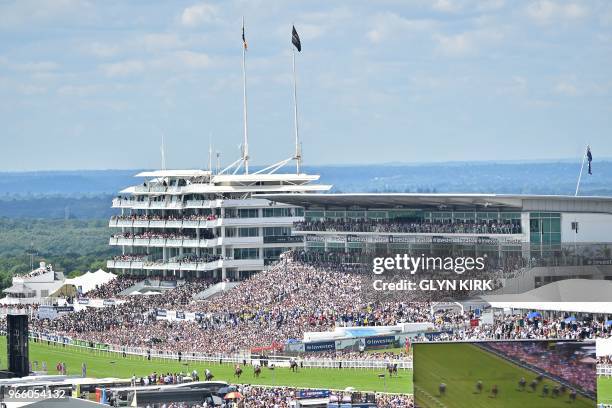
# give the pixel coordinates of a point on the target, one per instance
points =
(89, 280)
(603, 347)
(570, 295)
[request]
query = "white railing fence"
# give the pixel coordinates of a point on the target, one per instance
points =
(215, 358)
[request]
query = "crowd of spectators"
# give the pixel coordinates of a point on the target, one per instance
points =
(130, 257)
(157, 217)
(187, 258)
(357, 355)
(562, 361)
(604, 360)
(519, 326)
(282, 303)
(282, 397)
(205, 234)
(39, 271)
(399, 225)
(112, 288)
(129, 323)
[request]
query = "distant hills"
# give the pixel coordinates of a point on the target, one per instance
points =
(87, 194)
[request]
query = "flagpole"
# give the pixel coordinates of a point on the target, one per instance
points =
(245, 148)
(163, 153)
(298, 153)
(581, 168)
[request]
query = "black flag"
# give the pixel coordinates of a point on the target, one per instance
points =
(589, 158)
(295, 39)
(244, 43)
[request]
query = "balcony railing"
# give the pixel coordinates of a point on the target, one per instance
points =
(177, 242)
(186, 266)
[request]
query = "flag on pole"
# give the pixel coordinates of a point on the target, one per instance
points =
(295, 39)
(589, 158)
(244, 43)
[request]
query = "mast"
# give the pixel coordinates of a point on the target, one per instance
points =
(163, 153)
(245, 147)
(210, 155)
(298, 152)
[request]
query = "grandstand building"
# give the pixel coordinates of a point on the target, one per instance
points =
(556, 237)
(194, 223)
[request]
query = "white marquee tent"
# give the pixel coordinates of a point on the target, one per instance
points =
(89, 280)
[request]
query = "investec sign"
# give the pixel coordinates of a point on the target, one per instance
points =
(379, 341)
(320, 346)
(414, 239)
(52, 312)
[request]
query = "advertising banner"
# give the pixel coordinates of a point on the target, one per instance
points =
(320, 346)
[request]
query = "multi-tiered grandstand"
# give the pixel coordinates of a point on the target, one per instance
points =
(193, 223)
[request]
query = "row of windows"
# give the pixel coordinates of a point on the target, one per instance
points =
(466, 216)
(246, 253)
(545, 228)
(231, 232)
(267, 212)
(276, 231)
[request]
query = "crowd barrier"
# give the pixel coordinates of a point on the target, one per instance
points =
(604, 370)
(238, 358)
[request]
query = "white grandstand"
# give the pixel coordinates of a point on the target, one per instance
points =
(195, 223)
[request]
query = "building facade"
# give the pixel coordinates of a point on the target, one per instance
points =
(195, 223)
(560, 237)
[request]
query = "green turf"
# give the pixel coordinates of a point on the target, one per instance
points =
(604, 390)
(100, 365)
(460, 366)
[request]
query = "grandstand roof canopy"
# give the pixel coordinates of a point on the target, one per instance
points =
(570, 295)
(441, 201)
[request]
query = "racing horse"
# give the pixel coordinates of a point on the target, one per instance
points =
(392, 369)
(237, 371)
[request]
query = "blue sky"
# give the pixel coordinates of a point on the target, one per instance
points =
(94, 84)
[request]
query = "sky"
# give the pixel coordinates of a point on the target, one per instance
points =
(95, 84)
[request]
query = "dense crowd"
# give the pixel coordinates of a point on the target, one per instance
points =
(254, 396)
(128, 323)
(515, 327)
(563, 362)
(205, 234)
(357, 355)
(605, 360)
(411, 226)
(282, 397)
(112, 287)
(39, 271)
(282, 303)
(157, 217)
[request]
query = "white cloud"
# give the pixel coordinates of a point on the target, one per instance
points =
(197, 14)
(101, 50)
(79, 90)
(547, 11)
(446, 6)
(193, 60)
(32, 66)
(159, 41)
(123, 68)
(456, 45)
(22, 12)
(29, 89)
(386, 25)
(468, 42)
(566, 88)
